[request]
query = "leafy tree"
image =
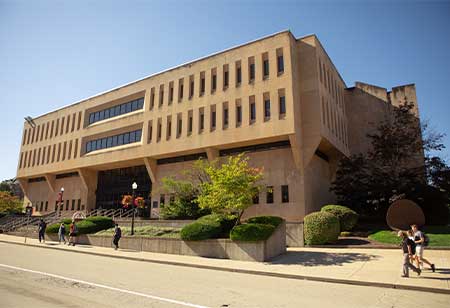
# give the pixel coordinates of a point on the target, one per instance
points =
(230, 188)
(184, 204)
(11, 186)
(399, 163)
(9, 203)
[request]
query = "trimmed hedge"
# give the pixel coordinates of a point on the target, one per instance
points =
(347, 217)
(267, 220)
(252, 232)
(208, 226)
(321, 228)
(89, 225)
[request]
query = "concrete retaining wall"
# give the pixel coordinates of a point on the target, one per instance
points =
(214, 248)
(294, 234)
(155, 223)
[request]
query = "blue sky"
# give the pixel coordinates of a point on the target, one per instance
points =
(53, 53)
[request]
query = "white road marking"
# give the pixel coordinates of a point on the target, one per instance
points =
(162, 299)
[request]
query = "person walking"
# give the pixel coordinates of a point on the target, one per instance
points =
(419, 240)
(62, 233)
(117, 236)
(407, 249)
(72, 233)
(41, 230)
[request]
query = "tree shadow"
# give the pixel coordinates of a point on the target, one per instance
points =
(315, 258)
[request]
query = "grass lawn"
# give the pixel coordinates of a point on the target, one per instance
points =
(146, 231)
(439, 236)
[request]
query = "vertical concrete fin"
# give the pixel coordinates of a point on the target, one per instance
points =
(212, 153)
(51, 181)
(295, 148)
(152, 168)
(89, 181)
(23, 184)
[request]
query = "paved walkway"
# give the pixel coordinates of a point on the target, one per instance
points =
(372, 267)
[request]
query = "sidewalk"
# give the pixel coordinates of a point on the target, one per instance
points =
(368, 267)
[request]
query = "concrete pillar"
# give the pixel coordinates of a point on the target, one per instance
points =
(89, 182)
(152, 169)
(24, 185)
(51, 181)
(212, 154)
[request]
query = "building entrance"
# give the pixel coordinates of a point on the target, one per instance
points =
(113, 184)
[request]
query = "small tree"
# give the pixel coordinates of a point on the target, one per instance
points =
(9, 203)
(184, 204)
(231, 187)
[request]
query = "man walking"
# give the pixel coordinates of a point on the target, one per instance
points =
(419, 239)
(41, 230)
(61, 233)
(117, 236)
(407, 247)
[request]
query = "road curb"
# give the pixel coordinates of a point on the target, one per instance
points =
(251, 272)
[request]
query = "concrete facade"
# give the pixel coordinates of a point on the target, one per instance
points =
(298, 144)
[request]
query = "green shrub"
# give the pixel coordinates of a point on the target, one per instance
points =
(251, 232)
(347, 217)
(208, 226)
(267, 220)
(321, 228)
(198, 231)
(87, 226)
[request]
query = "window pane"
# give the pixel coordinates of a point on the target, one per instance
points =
(114, 141)
(99, 144)
(103, 143)
(128, 107)
(134, 105)
(123, 108)
(117, 110)
(112, 112)
(102, 115)
(109, 142)
(107, 114)
(88, 147)
(138, 135)
(140, 103)
(91, 118)
(93, 145)
(132, 137)
(120, 140)
(126, 138)
(97, 116)
(282, 105)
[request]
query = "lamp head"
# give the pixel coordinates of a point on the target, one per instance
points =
(62, 189)
(134, 185)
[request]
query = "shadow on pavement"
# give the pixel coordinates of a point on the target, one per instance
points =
(314, 258)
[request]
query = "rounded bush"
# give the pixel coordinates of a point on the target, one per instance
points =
(267, 220)
(226, 223)
(321, 228)
(199, 230)
(251, 232)
(347, 217)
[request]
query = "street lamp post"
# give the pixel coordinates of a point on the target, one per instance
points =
(60, 200)
(134, 187)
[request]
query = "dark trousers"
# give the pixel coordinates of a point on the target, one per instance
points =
(41, 236)
(116, 241)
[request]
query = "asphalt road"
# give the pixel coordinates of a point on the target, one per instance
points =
(35, 277)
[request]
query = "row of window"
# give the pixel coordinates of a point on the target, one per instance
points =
(284, 197)
(115, 111)
(238, 111)
(201, 87)
(334, 121)
(49, 154)
(52, 128)
(74, 204)
(331, 84)
(113, 141)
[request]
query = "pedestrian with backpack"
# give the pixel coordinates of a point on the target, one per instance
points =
(41, 230)
(421, 242)
(117, 236)
(407, 248)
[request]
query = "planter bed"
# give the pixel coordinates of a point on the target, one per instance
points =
(212, 248)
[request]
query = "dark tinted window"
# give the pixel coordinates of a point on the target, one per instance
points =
(284, 193)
